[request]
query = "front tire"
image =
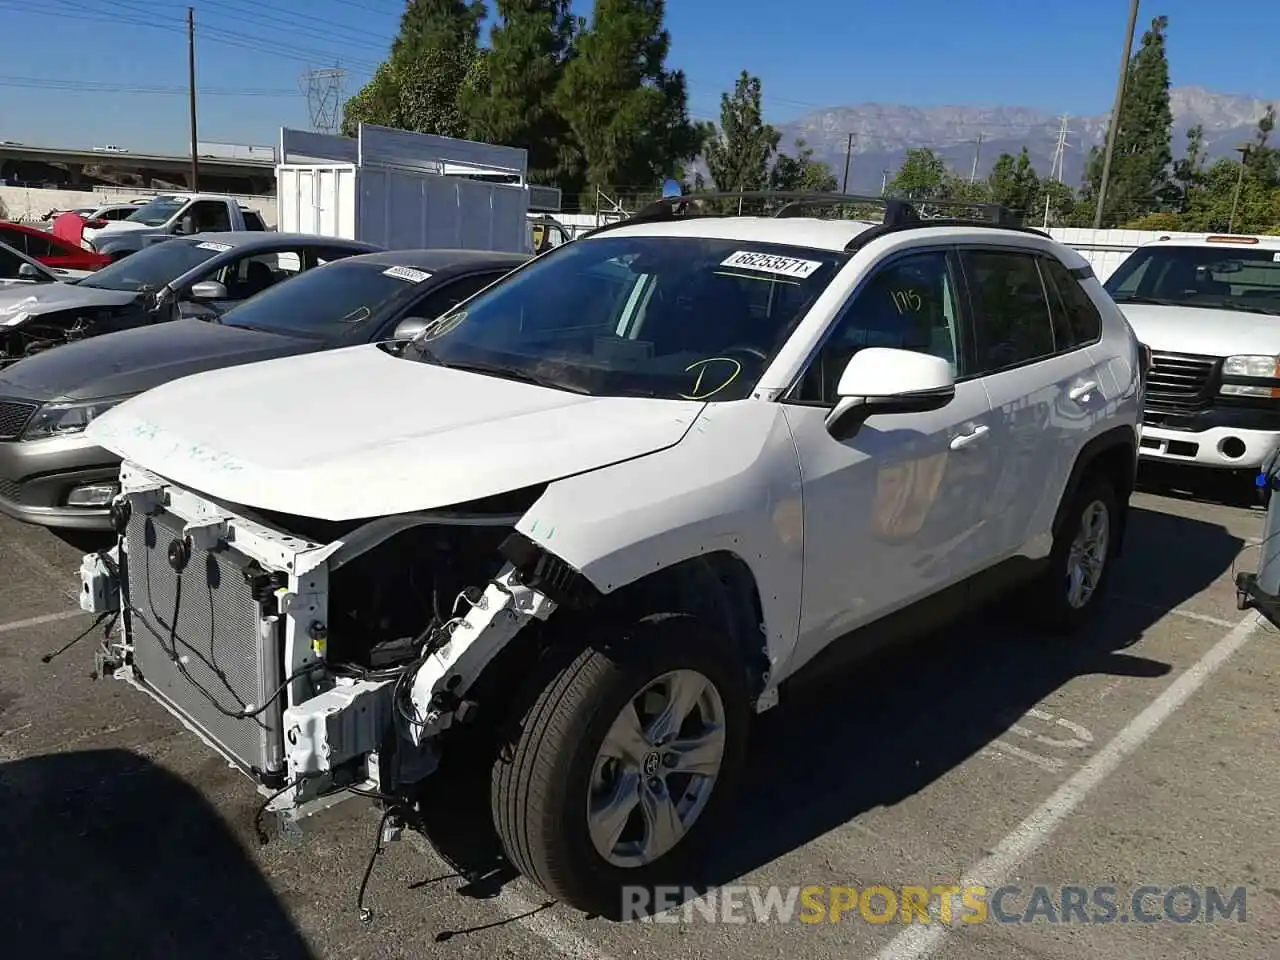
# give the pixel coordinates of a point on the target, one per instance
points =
(1072, 588)
(616, 772)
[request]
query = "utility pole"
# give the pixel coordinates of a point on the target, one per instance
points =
(884, 181)
(1243, 150)
(1114, 125)
(191, 84)
(973, 174)
(848, 152)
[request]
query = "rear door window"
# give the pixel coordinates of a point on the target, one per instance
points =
(1012, 321)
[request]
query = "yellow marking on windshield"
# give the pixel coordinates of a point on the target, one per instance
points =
(697, 384)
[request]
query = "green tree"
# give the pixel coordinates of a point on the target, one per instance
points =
(1263, 160)
(419, 94)
(438, 25)
(1142, 159)
(1188, 171)
(738, 157)
(923, 175)
(627, 111)
(515, 104)
(1013, 183)
(801, 172)
(433, 59)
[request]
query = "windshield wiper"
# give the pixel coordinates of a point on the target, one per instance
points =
(505, 371)
(1153, 301)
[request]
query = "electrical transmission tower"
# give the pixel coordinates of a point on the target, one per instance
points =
(324, 97)
(1059, 161)
(1059, 152)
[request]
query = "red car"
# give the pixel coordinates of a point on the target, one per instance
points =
(50, 250)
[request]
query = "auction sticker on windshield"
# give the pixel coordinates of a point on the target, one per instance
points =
(406, 273)
(769, 263)
(210, 245)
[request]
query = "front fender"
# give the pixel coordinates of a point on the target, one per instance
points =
(732, 484)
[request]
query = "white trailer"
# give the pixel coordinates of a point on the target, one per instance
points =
(403, 190)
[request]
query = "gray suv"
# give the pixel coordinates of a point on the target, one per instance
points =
(51, 475)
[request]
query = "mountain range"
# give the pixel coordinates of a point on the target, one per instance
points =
(883, 132)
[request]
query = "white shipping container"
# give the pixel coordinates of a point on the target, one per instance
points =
(397, 194)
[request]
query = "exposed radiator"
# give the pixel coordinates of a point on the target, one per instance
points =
(232, 649)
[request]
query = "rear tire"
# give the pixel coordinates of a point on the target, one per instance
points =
(1073, 586)
(563, 787)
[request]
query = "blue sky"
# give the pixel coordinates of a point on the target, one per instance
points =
(85, 72)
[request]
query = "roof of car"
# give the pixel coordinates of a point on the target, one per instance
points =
(444, 259)
(793, 231)
(1218, 241)
(271, 238)
(818, 234)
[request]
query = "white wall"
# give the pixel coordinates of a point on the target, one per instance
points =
(1107, 249)
(32, 203)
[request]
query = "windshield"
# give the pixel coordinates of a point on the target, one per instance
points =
(158, 211)
(673, 317)
(327, 303)
(152, 267)
(1234, 278)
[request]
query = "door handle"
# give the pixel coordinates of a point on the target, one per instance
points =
(1081, 391)
(964, 439)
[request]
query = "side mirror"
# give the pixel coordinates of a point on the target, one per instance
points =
(208, 290)
(185, 226)
(410, 327)
(882, 380)
(29, 272)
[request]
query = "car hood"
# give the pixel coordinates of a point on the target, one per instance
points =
(118, 227)
(130, 361)
(17, 304)
(1214, 333)
(357, 432)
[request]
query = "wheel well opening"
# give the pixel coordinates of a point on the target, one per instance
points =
(718, 589)
(1116, 464)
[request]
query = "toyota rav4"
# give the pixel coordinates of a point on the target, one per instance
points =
(610, 507)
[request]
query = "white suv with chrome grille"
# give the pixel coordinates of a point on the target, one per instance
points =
(591, 520)
(1209, 310)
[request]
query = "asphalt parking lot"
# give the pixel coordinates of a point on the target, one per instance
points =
(1143, 753)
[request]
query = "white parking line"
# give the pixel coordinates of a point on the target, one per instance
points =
(36, 621)
(526, 913)
(1179, 612)
(923, 941)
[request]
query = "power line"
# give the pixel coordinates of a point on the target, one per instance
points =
(103, 86)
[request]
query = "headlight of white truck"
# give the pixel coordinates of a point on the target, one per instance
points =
(1250, 365)
(59, 419)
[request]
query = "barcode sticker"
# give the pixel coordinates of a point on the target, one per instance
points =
(406, 273)
(769, 263)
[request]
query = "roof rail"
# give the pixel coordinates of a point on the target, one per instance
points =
(899, 212)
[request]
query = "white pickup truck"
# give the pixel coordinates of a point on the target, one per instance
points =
(1209, 310)
(172, 215)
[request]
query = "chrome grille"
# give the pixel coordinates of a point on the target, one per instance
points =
(208, 615)
(14, 415)
(1181, 381)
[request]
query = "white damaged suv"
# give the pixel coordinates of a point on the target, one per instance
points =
(619, 501)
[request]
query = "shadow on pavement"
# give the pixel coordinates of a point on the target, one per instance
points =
(108, 855)
(887, 730)
(1226, 488)
(881, 732)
